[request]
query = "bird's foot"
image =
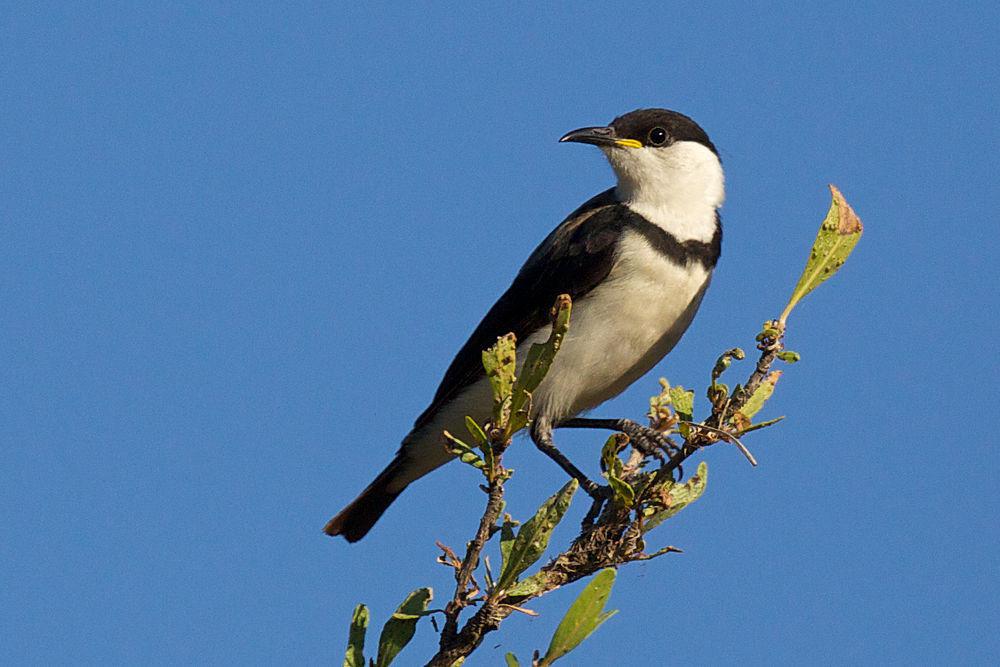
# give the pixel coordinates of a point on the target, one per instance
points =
(592, 488)
(647, 441)
(541, 434)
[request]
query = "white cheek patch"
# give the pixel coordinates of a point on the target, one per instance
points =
(678, 187)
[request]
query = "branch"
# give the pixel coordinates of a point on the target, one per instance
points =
(610, 536)
(464, 596)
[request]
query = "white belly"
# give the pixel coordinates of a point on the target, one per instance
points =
(621, 329)
(617, 333)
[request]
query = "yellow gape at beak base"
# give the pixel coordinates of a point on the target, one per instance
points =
(628, 143)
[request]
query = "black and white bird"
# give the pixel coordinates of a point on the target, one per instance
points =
(636, 260)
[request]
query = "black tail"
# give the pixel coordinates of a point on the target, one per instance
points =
(355, 520)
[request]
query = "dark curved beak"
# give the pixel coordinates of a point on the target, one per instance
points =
(598, 136)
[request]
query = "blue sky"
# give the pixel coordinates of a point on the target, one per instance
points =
(241, 244)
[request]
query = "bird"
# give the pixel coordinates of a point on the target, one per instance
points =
(636, 260)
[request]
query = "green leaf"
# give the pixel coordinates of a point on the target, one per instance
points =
(464, 452)
(511, 660)
(837, 237)
(724, 361)
(613, 467)
(536, 365)
(476, 431)
(540, 355)
(683, 401)
(533, 538)
(355, 656)
(717, 392)
(624, 493)
(499, 361)
(789, 357)
(764, 424)
(760, 395)
(398, 630)
(528, 586)
(675, 497)
(506, 539)
(584, 616)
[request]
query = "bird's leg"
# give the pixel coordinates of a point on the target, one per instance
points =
(647, 440)
(541, 435)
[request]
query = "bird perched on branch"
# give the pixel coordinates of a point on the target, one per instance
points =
(636, 260)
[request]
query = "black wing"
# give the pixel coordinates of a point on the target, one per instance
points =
(572, 260)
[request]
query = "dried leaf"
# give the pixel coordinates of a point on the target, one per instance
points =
(659, 413)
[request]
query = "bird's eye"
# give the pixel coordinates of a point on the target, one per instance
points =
(657, 136)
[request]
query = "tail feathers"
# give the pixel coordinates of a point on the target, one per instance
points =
(354, 521)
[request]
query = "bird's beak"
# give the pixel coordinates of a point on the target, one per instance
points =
(599, 136)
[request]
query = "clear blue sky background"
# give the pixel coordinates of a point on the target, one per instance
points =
(241, 244)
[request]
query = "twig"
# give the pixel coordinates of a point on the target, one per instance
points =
(727, 436)
(660, 552)
(592, 513)
(449, 557)
(523, 610)
(463, 576)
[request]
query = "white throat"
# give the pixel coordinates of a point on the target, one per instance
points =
(678, 187)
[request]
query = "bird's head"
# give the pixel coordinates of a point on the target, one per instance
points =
(662, 158)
